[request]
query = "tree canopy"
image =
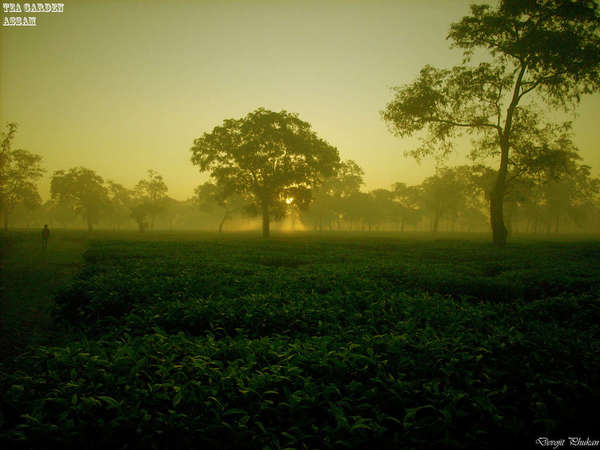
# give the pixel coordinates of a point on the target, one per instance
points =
(535, 51)
(210, 197)
(83, 190)
(19, 170)
(267, 157)
(151, 194)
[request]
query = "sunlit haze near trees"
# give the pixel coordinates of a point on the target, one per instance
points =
(300, 224)
(123, 87)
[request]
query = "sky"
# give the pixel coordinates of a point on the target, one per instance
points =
(125, 86)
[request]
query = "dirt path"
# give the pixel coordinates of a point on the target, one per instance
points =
(29, 276)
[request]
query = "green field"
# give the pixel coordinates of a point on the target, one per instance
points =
(301, 341)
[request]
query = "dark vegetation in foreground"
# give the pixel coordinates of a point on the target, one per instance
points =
(314, 342)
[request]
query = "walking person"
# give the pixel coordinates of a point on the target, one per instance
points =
(45, 236)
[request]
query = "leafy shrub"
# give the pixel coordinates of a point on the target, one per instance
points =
(313, 345)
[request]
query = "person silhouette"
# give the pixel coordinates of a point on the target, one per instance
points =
(45, 236)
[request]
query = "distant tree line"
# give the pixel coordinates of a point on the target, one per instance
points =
(548, 189)
(272, 165)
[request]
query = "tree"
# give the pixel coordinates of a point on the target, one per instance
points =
(83, 190)
(20, 188)
(558, 196)
(330, 198)
(544, 50)
(360, 207)
(140, 213)
(406, 199)
(5, 146)
(60, 212)
(443, 195)
(19, 170)
(120, 203)
(151, 192)
(214, 199)
(266, 157)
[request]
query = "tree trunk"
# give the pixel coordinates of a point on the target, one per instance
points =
(5, 221)
(225, 217)
(436, 223)
(89, 224)
(499, 231)
(265, 221)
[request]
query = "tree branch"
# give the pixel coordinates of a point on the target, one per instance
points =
(536, 83)
(461, 124)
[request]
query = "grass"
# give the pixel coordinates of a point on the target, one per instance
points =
(303, 341)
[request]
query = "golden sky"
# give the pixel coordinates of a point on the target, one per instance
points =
(125, 86)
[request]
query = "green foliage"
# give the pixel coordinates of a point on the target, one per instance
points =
(150, 199)
(83, 190)
(19, 171)
(297, 343)
(266, 157)
(546, 51)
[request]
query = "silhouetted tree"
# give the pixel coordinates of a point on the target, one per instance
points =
(172, 212)
(140, 213)
(212, 198)
(360, 207)
(266, 157)
(151, 193)
(120, 203)
(546, 47)
(330, 198)
(60, 212)
(406, 200)
(19, 170)
(83, 190)
(383, 208)
(443, 195)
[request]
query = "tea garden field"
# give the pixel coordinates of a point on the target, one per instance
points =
(305, 340)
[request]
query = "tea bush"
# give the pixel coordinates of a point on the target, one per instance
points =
(298, 343)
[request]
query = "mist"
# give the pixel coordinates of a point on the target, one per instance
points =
(300, 224)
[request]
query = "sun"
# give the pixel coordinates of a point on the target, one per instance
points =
(289, 200)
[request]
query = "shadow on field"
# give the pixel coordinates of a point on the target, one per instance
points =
(29, 277)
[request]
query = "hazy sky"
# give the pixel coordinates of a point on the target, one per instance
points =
(125, 86)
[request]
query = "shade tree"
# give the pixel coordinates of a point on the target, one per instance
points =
(330, 204)
(150, 195)
(83, 191)
(19, 172)
(406, 204)
(120, 202)
(443, 196)
(266, 157)
(545, 51)
(216, 200)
